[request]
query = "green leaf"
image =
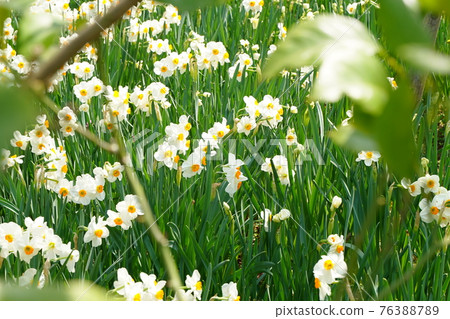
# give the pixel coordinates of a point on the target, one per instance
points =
(401, 25)
(341, 74)
(38, 32)
(436, 6)
(351, 138)
(189, 5)
(18, 108)
(425, 58)
(311, 42)
(18, 5)
(406, 35)
(392, 131)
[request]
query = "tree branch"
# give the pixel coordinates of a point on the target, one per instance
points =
(89, 34)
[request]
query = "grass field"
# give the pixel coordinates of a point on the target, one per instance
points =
(390, 252)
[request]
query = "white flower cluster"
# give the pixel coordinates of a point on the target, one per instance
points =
(37, 238)
(280, 163)
(330, 267)
(127, 210)
(435, 206)
(53, 173)
(176, 141)
(268, 112)
(149, 289)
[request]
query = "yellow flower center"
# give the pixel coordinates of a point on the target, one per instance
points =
(340, 249)
(116, 173)
(430, 183)
(64, 169)
(159, 295)
(198, 285)
(328, 265)
(316, 283)
(195, 167)
(434, 210)
(82, 193)
(83, 92)
(238, 174)
(97, 88)
(28, 250)
(118, 221)
(64, 192)
(248, 126)
(168, 153)
(137, 297)
(19, 143)
(164, 69)
(131, 209)
(215, 51)
(21, 65)
(100, 189)
(98, 233)
(180, 137)
(188, 126)
(369, 154)
(9, 238)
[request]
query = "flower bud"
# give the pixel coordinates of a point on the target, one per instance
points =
(336, 202)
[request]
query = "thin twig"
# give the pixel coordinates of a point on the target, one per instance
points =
(88, 34)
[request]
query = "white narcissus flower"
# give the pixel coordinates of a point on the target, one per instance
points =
(427, 214)
(368, 157)
(194, 285)
(336, 202)
(118, 219)
(10, 234)
(152, 287)
(192, 165)
(27, 277)
(134, 292)
(52, 245)
(233, 173)
(245, 125)
(167, 154)
(96, 232)
(113, 172)
(253, 5)
(291, 137)
(324, 288)
(429, 183)
(123, 280)
(19, 140)
(230, 292)
(413, 188)
(84, 190)
(337, 243)
(28, 248)
(130, 207)
(351, 8)
(330, 267)
(68, 256)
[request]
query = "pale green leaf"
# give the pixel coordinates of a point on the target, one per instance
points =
(360, 77)
(425, 58)
(311, 42)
